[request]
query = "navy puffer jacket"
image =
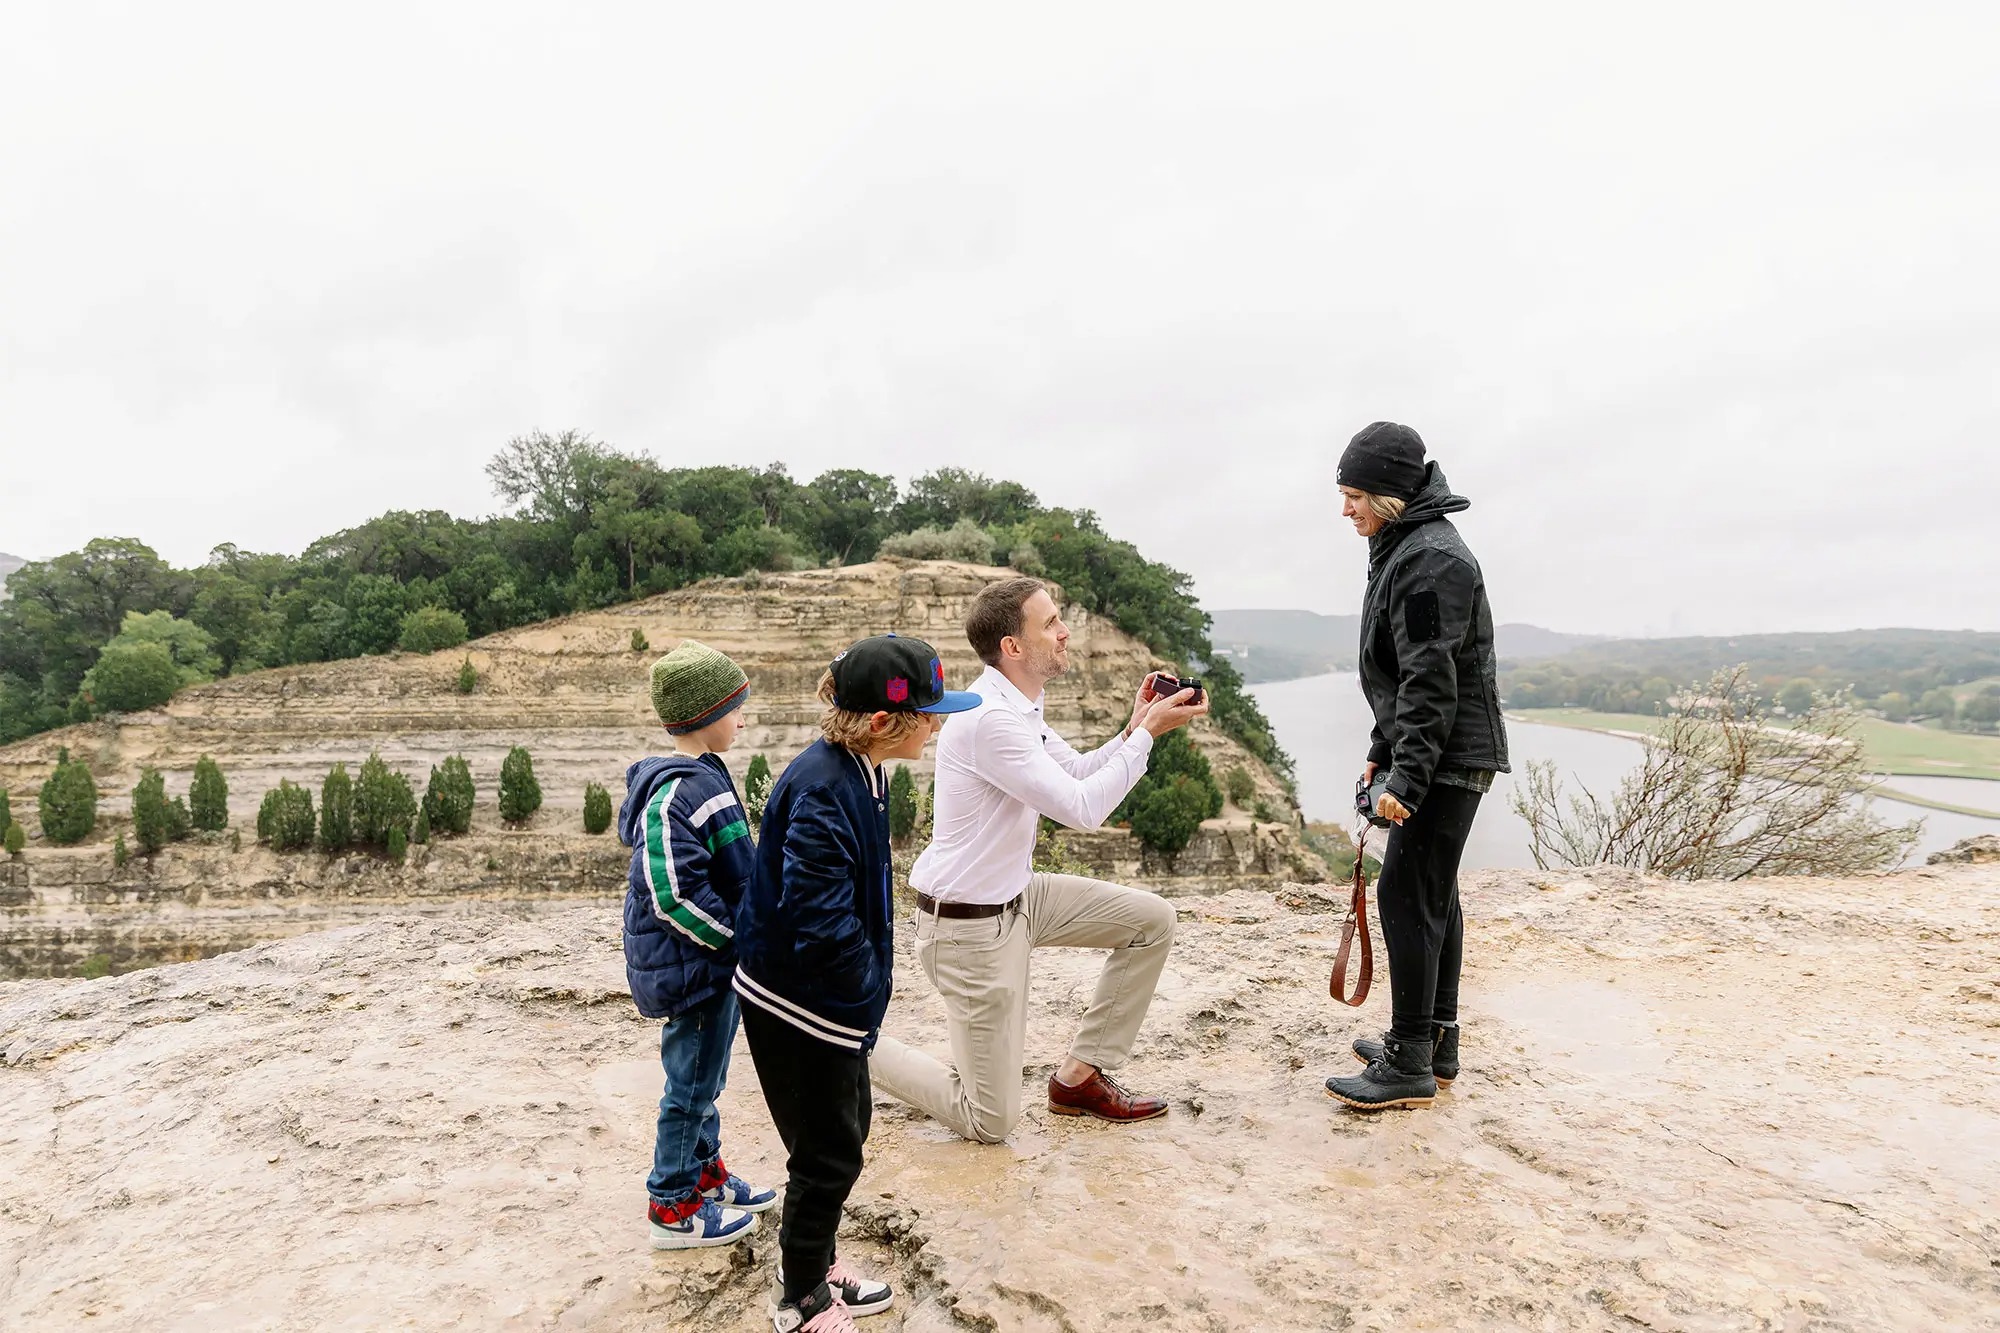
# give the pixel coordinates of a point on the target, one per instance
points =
(692, 858)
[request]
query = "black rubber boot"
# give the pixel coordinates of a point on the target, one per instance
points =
(1444, 1053)
(1444, 1056)
(1400, 1076)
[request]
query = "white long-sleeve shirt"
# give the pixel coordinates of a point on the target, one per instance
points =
(999, 767)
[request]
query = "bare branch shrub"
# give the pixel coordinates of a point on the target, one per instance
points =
(1724, 794)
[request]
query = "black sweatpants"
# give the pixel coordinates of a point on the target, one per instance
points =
(821, 1103)
(1422, 924)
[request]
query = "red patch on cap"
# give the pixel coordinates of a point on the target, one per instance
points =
(898, 690)
(937, 674)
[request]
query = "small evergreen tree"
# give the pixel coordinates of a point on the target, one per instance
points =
(119, 856)
(285, 819)
(336, 811)
(902, 804)
(449, 796)
(421, 832)
(129, 677)
(1174, 756)
(149, 811)
(430, 629)
(1239, 786)
(467, 677)
(520, 794)
(67, 802)
(383, 803)
(399, 845)
(180, 824)
(639, 644)
(17, 839)
(757, 788)
(596, 808)
(236, 840)
(1169, 817)
(208, 797)
(6, 811)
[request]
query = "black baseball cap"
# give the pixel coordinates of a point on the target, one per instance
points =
(893, 674)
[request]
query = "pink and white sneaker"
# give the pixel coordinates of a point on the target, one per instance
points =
(821, 1312)
(862, 1296)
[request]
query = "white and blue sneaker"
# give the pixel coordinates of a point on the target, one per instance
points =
(674, 1228)
(720, 1185)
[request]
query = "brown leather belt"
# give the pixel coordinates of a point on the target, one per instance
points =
(1355, 926)
(964, 911)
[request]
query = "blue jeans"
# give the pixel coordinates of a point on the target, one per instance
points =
(694, 1052)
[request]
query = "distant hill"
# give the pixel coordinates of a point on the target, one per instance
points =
(1849, 652)
(1268, 645)
(8, 564)
(573, 691)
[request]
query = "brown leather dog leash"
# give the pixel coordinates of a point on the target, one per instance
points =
(1355, 924)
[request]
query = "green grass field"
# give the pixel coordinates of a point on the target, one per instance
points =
(1891, 747)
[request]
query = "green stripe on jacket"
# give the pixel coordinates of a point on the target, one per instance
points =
(727, 834)
(668, 904)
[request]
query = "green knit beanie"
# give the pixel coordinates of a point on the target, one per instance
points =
(694, 685)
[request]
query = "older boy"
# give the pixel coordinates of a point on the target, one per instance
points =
(814, 970)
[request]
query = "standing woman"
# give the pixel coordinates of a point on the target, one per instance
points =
(1427, 668)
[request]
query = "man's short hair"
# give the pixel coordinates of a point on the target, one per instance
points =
(996, 613)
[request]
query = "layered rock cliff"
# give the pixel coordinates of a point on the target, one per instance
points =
(574, 692)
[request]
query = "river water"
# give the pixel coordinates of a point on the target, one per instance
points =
(1322, 721)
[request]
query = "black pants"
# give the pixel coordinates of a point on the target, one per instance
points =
(821, 1103)
(1417, 899)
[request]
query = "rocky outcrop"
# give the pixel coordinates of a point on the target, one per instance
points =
(1684, 1106)
(63, 910)
(67, 909)
(1981, 850)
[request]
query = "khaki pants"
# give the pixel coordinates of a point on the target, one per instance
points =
(980, 968)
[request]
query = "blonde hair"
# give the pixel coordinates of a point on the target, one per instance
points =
(852, 731)
(1386, 508)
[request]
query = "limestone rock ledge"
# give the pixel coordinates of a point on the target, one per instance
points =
(60, 907)
(1685, 1106)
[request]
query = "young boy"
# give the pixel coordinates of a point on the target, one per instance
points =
(692, 858)
(813, 969)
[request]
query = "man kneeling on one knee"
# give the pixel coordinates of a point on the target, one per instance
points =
(981, 907)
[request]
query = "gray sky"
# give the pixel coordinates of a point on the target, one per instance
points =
(1701, 306)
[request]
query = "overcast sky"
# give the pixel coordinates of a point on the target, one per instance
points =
(1701, 307)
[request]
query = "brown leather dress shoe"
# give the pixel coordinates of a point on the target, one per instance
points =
(1101, 1096)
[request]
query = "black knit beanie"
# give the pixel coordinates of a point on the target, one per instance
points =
(1384, 458)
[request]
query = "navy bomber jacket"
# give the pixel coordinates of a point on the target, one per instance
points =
(692, 857)
(813, 934)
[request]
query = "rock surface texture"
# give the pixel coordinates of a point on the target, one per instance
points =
(1763, 1105)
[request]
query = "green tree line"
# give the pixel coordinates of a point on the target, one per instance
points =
(113, 627)
(1903, 675)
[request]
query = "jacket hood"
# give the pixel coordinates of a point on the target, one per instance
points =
(641, 781)
(1434, 500)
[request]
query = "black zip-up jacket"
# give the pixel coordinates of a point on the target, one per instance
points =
(1427, 663)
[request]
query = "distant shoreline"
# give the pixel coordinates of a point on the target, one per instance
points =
(1545, 717)
(1567, 721)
